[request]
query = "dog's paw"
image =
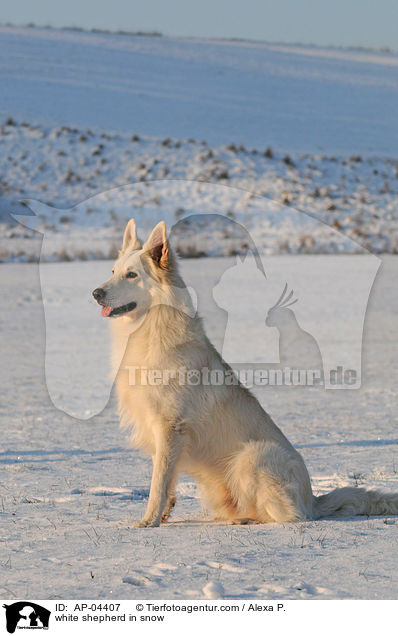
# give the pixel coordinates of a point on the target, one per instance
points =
(147, 523)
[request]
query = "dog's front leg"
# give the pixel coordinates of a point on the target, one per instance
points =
(171, 499)
(169, 445)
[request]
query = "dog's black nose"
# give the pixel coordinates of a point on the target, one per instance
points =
(99, 294)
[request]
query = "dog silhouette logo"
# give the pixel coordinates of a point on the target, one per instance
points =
(233, 291)
(26, 615)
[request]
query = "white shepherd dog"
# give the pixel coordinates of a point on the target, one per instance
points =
(247, 469)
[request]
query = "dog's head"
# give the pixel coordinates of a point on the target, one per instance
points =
(142, 276)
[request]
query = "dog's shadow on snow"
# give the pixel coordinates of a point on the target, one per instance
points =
(359, 518)
(354, 442)
(38, 456)
(196, 522)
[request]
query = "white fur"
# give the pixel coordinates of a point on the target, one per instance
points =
(245, 466)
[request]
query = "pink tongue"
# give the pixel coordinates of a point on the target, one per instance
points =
(105, 311)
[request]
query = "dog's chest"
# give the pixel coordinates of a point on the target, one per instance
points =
(145, 401)
(140, 406)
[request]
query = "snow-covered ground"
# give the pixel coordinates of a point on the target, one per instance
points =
(271, 196)
(313, 130)
(71, 490)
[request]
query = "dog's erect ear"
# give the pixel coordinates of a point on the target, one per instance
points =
(130, 239)
(157, 246)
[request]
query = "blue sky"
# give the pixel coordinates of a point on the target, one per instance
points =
(336, 22)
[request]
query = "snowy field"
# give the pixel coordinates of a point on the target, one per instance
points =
(298, 99)
(297, 144)
(308, 129)
(71, 490)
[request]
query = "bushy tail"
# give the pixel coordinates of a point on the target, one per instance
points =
(350, 501)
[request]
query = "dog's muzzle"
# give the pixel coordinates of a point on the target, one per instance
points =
(107, 311)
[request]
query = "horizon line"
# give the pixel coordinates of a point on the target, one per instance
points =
(386, 49)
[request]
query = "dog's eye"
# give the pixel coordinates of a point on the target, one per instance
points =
(113, 271)
(131, 275)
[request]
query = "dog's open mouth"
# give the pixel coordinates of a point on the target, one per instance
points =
(109, 312)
